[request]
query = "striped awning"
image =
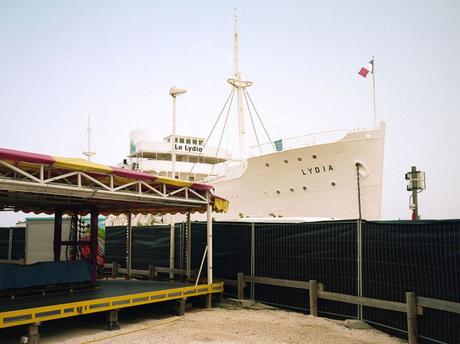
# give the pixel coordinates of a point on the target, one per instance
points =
(29, 163)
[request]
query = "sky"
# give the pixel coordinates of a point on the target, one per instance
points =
(116, 60)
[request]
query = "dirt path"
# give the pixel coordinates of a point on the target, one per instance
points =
(220, 325)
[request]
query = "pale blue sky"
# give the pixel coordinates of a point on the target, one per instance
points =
(61, 60)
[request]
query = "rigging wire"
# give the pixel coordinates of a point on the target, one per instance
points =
(263, 126)
(223, 131)
(230, 96)
(252, 121)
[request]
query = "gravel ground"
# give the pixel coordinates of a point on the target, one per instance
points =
(224, 325)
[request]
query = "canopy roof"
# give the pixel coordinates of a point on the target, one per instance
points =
(43, 183)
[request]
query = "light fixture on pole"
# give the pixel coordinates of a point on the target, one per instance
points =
(415, 183)
(174, 92)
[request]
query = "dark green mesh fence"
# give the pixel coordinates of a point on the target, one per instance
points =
(398, 256)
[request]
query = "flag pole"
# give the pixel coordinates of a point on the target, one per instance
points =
(373, 89)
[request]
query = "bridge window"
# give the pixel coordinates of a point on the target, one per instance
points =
(181, 140)
(188, 141)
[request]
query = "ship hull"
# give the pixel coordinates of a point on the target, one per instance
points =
(311, 181)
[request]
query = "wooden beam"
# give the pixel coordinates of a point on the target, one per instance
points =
(277, 282)
(441, 305)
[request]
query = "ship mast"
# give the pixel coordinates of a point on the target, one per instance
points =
(89, 153)
(240, 86)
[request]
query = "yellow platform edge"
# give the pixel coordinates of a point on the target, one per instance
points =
(65, 310)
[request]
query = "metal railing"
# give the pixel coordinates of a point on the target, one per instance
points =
(301, 141)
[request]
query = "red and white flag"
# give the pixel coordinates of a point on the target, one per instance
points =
(366, 69)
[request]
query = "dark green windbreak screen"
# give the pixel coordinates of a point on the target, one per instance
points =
(398, 256)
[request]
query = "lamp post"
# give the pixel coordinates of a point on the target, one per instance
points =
(174, 92)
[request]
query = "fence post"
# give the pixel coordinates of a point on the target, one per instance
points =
(253, 258)
(313, 292)
(411, 304)
(114, 269)
(241, 286)
(151, 272)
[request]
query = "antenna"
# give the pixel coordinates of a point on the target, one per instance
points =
(240, 86)
(88, 153)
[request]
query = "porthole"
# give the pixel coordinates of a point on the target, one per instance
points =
(333, 183)
(314, 156)
(304, 187)
(285, 161)
(292, 189)
(267, 164)
(278, 192)
(299, 158)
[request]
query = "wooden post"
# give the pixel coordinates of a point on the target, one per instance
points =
(151, 272)
(241, 285)
(114, 269)
(209, 236)
(57, 234)
(172, 243)
(313, 298)
(411, 304)
(208, 300)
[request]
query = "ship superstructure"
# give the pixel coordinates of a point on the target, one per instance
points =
(336, 174)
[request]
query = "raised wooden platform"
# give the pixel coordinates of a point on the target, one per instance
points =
(109, 295)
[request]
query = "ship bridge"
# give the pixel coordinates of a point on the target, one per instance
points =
(187, 149)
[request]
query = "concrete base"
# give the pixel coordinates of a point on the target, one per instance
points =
(33, 336)
(180, 307)
(356, 324)
(112, 320)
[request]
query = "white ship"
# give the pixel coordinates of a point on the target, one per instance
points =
(315, 175)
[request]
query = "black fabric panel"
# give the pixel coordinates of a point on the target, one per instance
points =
(323, 251)
(198, 245)
(419, 256)
(19, 243)
(4, 239)
(179, 245)
(398, 256)
(115, 245)
(150, 246)
(231, 248)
